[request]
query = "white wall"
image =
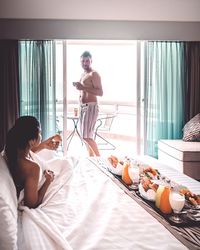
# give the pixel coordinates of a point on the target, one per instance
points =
(147, 10)
(100, 19)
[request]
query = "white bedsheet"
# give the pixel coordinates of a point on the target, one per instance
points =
(87, 211)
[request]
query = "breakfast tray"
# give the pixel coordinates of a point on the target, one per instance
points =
(188, 233)
(186, 221)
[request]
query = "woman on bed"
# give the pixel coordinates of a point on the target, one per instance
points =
(22, 138)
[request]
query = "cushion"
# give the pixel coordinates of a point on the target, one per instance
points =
(181, 150)
(191, 130)
(8, 209)
(182, 155)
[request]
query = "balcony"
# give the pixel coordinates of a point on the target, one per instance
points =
(123, 132)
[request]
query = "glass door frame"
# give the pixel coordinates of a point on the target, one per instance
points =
(138, 97)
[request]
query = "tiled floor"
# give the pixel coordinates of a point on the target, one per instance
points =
(123, 148)
(122, 134)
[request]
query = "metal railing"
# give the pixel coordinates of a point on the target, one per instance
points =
(124, 125)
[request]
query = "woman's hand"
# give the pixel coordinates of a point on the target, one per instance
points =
(49, 175)
(52, 143)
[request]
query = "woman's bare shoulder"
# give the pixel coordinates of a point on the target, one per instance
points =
(29, 167)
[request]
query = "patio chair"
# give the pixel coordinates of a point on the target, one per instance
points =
(104, 124)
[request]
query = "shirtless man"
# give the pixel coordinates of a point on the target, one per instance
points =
(90, 87)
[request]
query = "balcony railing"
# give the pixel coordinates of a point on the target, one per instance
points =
(124, 124)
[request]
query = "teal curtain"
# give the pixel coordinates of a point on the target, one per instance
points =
(164, 93)
(37, 83)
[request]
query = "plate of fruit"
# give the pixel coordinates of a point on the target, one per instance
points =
(192, 200)
(151, 173)
(116, 165)
(148, 188)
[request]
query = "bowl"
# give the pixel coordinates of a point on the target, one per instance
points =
(116, 170)
(149, 195)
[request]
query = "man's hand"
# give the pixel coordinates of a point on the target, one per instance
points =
(79, 86)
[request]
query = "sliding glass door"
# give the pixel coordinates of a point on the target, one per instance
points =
(143, 84)
(118, 65)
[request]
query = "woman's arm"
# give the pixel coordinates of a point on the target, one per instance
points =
(32, 196)
(52, 143)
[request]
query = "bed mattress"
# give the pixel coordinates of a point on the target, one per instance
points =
(183, 156)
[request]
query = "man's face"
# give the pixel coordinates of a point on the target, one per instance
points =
(86, 62)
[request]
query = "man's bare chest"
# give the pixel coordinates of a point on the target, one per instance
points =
(87, 80)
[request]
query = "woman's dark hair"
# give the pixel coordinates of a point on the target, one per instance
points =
(26, 128)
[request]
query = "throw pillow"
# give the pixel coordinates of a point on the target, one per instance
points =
(191, 130)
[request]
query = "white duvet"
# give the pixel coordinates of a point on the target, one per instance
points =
(83, 209)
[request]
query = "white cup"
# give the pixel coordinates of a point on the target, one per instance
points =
(134, 173)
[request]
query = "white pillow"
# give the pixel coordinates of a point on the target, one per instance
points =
(8, 209)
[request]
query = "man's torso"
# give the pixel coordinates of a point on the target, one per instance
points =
(87, 79)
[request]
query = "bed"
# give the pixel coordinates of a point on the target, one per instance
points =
(83, 209)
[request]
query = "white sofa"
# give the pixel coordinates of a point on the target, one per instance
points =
(181, 155)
